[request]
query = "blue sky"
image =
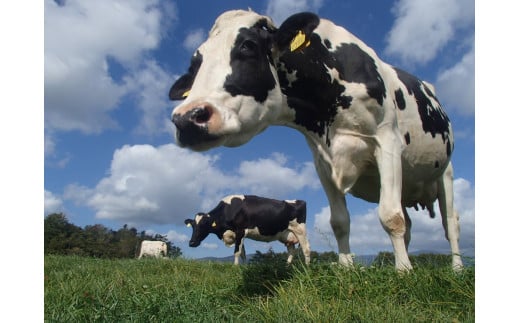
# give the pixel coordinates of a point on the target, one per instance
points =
(109, 152)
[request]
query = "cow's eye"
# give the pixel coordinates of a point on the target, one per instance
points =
(248, 48)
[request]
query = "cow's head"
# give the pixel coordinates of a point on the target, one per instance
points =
(202, 225)
(231, 91)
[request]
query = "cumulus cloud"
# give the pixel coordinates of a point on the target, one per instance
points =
(149, 85)
(368, 236)
(81, 39)
(194, 39)
(279, 10)
(423, 28)
(456, 85)
(52, 203)
(254, 175)
(176, 237)
(167, 184)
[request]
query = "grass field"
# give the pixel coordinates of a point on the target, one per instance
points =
(163, 290)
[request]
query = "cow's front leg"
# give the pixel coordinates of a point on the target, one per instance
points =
(339, 215)
(388, 156)
(239, 246)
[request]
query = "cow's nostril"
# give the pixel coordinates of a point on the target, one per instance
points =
(201, 114)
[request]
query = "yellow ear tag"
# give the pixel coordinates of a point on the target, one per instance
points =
(298, 41)
(214, 224)
(185, 94)
(188, 225)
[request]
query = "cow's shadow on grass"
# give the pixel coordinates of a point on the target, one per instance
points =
(263, 277)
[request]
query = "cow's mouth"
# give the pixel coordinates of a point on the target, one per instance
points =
(196, 138)
(194, 244)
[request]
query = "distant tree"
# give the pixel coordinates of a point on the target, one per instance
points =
(60, 236)
(99, 241)
(173, 251)
(127, 242)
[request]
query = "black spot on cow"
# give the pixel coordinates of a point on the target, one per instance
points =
(250, 72)
(399, 99)
(449, 148)
(407, 138)
(314, 95)
(327, 44)
(433, 118)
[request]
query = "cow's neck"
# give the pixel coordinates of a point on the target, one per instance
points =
(306, 119)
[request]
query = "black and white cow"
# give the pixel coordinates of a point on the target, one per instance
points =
(237, 217)
(375, 131)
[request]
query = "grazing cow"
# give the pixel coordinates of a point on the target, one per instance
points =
(375, 131)
(237, 217)
(156, 249)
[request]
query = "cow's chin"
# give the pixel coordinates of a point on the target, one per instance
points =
(194, 244)
(214, 141)
(202, 145)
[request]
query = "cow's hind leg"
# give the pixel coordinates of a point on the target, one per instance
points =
(450, 218)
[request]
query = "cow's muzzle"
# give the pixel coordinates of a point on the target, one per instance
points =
(194, 243)
(194, 125)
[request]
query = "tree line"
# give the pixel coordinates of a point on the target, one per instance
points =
(64, 238)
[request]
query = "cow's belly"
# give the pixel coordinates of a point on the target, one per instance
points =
(423, 163)
(283, 236)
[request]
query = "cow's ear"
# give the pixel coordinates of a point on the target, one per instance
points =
(181, 88)
(295, 32)
(188, 222)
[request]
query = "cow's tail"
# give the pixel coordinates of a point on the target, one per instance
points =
(301, 211)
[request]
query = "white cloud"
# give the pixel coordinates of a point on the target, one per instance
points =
(52, 203)
(80, 37)
(422, 28)
(368, 236)
(167, 184)
(211, 246)
(150, 85)
(268, 176)
(456, 85)
(194, 39)
(279, 10)
(176, 237)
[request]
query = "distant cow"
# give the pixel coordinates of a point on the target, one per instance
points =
(375, 131)
(237, 217)
(156, 249)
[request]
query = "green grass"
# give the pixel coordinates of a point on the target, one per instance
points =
(156, 290)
